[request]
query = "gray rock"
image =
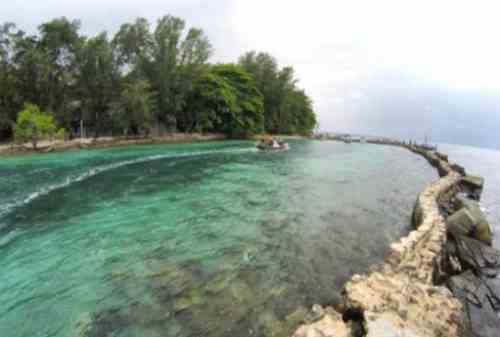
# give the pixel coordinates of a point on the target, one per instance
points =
(475, 255)
(461, 223)
(494, 285)
(458, 168)
(473, 186)
(482, 229)
(476, 296)
(442, 156)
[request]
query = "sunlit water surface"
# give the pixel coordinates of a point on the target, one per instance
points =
(211, 239)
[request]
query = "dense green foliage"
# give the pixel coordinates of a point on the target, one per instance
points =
(33, 124)
(144, 80)
(226, 99)
(288, 109)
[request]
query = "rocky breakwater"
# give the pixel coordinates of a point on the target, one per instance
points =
(440, 280)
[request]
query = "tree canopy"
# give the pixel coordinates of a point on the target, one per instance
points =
(146, 79)
(226, 99)
(288, 109)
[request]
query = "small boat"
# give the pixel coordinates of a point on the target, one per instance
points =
(273, 145)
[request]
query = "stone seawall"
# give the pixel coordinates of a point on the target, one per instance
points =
(440, 280)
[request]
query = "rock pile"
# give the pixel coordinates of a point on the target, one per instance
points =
(440, 280)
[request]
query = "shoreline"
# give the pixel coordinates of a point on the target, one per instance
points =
(49, 146)
(424, 286)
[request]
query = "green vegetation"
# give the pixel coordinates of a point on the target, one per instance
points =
(33, 125)
(226, 99)
(143, 80)
(288, 109)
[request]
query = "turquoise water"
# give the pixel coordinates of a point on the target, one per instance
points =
(205, 239)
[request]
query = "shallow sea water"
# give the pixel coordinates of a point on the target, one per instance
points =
(206, 239)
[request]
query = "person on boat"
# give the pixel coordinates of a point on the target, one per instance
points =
(262, 144)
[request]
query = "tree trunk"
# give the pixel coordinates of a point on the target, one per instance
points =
(96, 125)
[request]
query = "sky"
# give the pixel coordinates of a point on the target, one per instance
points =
(400, 68)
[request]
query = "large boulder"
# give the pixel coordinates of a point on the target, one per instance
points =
(494, 285)
(461, 223)
(482, 229)
(446, 200)
(442, 156)
(476, 296)
(475, 255)
(473, 185)
(459, 169)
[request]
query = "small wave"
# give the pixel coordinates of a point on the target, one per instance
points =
(5, 209)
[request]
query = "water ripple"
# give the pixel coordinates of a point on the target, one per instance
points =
(5, 209)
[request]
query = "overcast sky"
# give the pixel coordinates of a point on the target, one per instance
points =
(396, 68)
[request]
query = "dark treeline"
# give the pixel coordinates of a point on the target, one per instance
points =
(144, 80)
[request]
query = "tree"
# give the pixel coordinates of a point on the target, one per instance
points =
(279, 88)
(227, 100)
(301, 117)
(59, 44)
(142, 79)
(264, 69)
(133, 45)
(98, 81)
(8, 92)
(33, 125)
(133, 112)
(168, 61)
(195, 51)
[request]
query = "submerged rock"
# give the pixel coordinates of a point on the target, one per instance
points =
(220, 282)
(191, 298)
(84, 325)
(100, 324)
(297, 317)
(240, 290)
(144, 314)
(270, 325)
(170, 279)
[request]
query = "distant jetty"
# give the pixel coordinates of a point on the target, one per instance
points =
(440, 280)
